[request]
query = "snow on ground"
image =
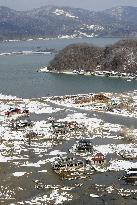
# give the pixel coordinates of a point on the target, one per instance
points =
(39, 107)
(9, 159)
(113, 148)
(57, 152)
(42, 128)
(7, 97)
(67, 36)
(82, 118)
(87, 35)
(42, 171)
(7, 134)
(93, 27)
(60, 12)
(18, 174)
(94, 195)
(117, 165)
(14, 146)
(126, 147)
(37, 164)
(94, 124)
(34, 106)
(6, 193)
(104, 149)
(56, 196)
(121, 104)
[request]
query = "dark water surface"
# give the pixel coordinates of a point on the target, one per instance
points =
(55, 43)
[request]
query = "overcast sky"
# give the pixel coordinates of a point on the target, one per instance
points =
(87, 4)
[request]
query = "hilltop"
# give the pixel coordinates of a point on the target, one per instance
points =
(66, 22)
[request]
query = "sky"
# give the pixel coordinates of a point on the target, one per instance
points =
(87, 4)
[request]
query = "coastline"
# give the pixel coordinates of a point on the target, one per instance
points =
(60, 38)
(126, 76)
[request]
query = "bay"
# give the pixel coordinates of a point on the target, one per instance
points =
(19, 76)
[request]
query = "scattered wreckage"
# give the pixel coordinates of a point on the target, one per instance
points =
(63, 127)
(21, 122)
(128, 154)
(70, 164)
(16, 111)
(82, 146)
(131, 175)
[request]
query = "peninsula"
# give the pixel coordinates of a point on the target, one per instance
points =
(117, 59)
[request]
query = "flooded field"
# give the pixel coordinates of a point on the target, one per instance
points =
(29, 150)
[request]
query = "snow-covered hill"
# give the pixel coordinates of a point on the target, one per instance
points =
(52, 21)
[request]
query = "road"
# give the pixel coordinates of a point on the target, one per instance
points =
(129, 122)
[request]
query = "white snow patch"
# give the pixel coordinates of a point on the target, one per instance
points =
(37, 164)
(117, 165)
(105, 149)
(7, 97)
(43, 171)
(93, 27)
(56, 197)
(94, 195)
(57, 152)
(18, 174)
(39, 107)
(61, 12)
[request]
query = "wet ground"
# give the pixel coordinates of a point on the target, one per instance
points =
(26, 175)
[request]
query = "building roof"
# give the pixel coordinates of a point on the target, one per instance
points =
(99, 156)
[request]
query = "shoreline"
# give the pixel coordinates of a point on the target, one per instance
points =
(109, 74)
(59, 38)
